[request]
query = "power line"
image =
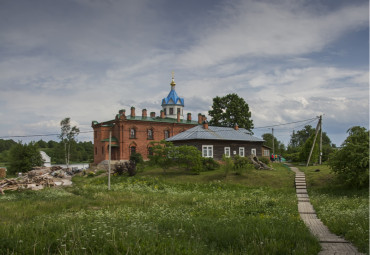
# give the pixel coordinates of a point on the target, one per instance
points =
(287, 123)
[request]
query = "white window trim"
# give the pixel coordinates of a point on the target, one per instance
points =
(227, 152)
(254, 152)
(207, 146)
(266, 153)
(241, 149)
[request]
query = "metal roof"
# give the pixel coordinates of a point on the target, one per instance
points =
(173, 99)
(215, 133)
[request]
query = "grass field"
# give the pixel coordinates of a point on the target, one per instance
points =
(180, 213)
(345, 211)
(153, 213)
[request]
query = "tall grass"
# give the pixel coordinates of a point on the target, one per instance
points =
(156, 215)
(344, 210)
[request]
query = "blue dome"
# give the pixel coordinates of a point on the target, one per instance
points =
(173, 99)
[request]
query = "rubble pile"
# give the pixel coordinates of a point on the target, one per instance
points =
(38, 178)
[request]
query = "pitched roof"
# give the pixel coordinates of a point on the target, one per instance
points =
(215, 133)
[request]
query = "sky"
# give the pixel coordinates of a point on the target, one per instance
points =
(290, 60)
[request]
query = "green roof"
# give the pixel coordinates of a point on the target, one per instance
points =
(113, 140)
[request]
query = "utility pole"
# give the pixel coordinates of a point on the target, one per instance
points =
(320, 157)
(314, 140)
(273, 145)
(110, 152)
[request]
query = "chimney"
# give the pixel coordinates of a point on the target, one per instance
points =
(189, 117)
(236, 127)
(122, 111)
(205, 124)
(144, 115)
(152, 115)
(200, 118)
(132, 111)
(178, 117)
(162, 114)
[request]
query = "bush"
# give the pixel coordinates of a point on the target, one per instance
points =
(264, 160)
(137, 158)
(351, 162)
(229, 164)
(210, 164)
(241, 164)
(129, 167)
(23, 157)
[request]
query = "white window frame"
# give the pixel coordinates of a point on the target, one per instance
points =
(266, 153)
(227, 152)
(241, 151)
(207, 151)
(254, 151)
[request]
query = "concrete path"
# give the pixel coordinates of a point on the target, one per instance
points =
(330, 243)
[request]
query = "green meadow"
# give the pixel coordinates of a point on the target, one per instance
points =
(157, 213)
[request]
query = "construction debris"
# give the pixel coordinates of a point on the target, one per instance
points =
(38, 178)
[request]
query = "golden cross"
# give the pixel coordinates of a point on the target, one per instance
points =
(173, 75)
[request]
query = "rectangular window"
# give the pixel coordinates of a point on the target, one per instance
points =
(266, 153)
(132, 133)
(171, 111)
(165, 111)
(227, 152)
(150, 134)
(178, 110)
(241, 152)
(254, 152)
(207, 151)
(166, 134)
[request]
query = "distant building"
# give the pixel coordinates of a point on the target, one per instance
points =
(46, 159)
(132, 133)
(214, 142)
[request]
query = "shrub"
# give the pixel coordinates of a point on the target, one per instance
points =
(23, 157)
(264, 160)
(229, 164)
(137, 158)
(351, 162)
(241, 164)
(210, 164)
(121, 168)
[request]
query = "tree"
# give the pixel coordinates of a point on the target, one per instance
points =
(23, 157)
(230, 110)
(279, 146)
(351, 161)
(67, 136)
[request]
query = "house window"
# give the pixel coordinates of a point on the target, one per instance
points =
(165, 111)
(171, 111)
(227, 152)
(266, 153)
(150, 134)
(178, 110)
(166, 134)
(241, 152)
(132, 133)
(207, 151)
(254, 152)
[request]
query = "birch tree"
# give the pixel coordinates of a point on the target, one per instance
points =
(67, 135)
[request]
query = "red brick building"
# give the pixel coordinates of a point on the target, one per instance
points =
(133, 133)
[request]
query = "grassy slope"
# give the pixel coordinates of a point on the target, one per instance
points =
(345, 211)
(153, 213)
